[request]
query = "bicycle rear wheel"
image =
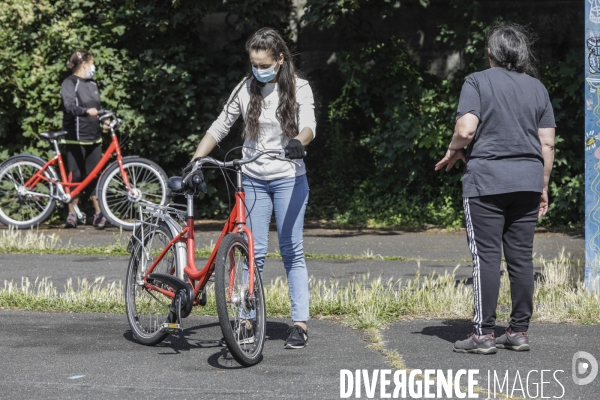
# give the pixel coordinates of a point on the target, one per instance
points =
(146, 178)
(21, 206)
(147, 309)
(243, 320)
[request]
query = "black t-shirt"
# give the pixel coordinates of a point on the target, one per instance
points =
(505, 155)
(78, 95)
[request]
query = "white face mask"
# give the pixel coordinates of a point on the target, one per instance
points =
(89, 74)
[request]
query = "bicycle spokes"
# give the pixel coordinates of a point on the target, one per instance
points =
(24, 205)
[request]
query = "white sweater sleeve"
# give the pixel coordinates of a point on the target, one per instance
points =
(231, 111)
(306, 112)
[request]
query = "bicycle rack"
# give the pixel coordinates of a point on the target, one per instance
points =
(143, 236)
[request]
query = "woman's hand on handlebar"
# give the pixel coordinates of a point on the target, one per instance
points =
(294, 150)
(92, 112)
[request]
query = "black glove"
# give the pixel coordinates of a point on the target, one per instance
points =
(294, 149)
(189, 167)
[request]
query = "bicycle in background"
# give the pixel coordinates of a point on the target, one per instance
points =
(30, 187)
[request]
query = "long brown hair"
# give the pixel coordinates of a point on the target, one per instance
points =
(270, 41)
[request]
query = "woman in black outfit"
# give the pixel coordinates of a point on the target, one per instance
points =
(505, 118)
(81, 102)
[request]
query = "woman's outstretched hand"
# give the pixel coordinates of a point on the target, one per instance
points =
(450, 158)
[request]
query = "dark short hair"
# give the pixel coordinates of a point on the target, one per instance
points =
(510, 47)
(77, 58)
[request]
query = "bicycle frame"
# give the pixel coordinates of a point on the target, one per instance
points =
(199, 278)
(65, 185)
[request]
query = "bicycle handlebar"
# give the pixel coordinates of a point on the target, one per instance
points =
(234, 163)
(104, 114)
(200, 161)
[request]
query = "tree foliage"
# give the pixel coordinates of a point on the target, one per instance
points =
(392, 120)
(384, 118)
(158, 68)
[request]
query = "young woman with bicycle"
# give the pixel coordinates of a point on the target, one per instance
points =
(278, 111)
(80, 103)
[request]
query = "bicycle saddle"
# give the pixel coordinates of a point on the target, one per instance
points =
(175, 183)
(52, 135)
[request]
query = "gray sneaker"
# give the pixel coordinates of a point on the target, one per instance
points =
(484, 344)
(517, 341)
(71, 221)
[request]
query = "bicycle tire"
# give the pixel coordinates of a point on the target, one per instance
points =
(19, 209)
(147, 179)
(147, 311)
(232, 256)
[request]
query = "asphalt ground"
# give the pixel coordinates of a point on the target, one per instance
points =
(54, 355)
(430, 245)
(61, 268)
(428, 345)
(93, 356)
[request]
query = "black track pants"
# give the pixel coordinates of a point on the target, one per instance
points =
(504, 221)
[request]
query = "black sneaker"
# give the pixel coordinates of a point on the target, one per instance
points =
(484, 344)
(298, 338)
(243, 333)
(517, 341)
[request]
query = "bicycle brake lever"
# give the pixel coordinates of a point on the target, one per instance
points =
(282, 158)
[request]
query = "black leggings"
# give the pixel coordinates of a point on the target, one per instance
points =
(495, 223)
(81, 160)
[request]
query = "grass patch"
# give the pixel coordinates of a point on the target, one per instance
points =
(361, 303)
(373, 337)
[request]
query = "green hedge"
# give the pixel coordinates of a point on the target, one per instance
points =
(383, 119)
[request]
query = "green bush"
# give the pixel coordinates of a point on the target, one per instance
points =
(156, 69)
(383, 122)
(392, 121)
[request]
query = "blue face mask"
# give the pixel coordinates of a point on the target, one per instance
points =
(264, 75)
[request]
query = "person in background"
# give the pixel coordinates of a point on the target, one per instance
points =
(80, 103)
(277, 107)
(505, 118)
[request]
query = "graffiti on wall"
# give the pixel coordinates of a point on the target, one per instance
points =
(592, 145)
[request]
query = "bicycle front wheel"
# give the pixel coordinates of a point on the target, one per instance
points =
(20, 205)
(118, 204)
(147, 309)
(242, 317)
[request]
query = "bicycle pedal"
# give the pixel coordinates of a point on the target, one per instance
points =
(171, 328)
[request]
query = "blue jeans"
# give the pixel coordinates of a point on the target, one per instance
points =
(288, 197)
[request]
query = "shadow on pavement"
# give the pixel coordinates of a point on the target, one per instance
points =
(178, 343)
(453, 330)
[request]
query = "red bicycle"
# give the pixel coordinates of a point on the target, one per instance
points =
(30, 186)
(163, 282)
